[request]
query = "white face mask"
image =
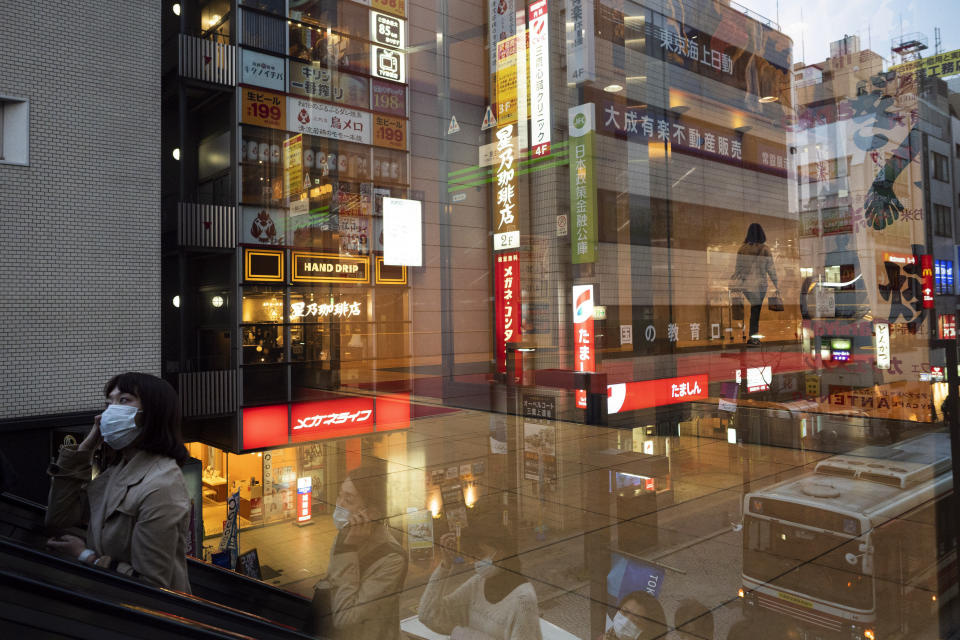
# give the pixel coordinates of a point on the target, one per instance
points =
(118, 425)
(341, 517)
(624, 627)
(485, 567)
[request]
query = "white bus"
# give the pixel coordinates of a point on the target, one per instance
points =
(860, 549)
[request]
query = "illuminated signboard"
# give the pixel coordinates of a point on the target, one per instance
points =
(539, 79)
(882, 341)
(583, 354)
(264, 427)
(580, 47)
(948, 326)
(293, 165)
(329, 121)
(329, 267)
(331, 418)
(506, 228)
(926, 273)
(387, 64)
(387, 30)
(402, 232)
(304, 488)
(507, 307)
(759, 378)
(899, 258)
(841, 355)
(262, 70)
(323, 310)
(583, 188)
(264, 109)
(630, 396)
(260, 265)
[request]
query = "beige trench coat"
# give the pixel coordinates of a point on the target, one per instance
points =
(137, 512)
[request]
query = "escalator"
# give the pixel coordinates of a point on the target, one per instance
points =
(223, 602)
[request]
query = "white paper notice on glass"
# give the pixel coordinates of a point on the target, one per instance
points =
(402, 232)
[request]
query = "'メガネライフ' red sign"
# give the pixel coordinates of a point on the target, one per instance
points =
(630, 396)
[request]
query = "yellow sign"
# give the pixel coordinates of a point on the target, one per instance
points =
(264, 109)
(396, 7)
(938, 66)
(794, 599)
(293, 165)
(389, 132)
(507, 81)
(390, 274)
(813, 386)
(328, 267)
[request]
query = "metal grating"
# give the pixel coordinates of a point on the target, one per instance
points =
(207, 225)
(207, 60)
(208, 393)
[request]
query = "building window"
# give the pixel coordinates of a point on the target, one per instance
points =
(941, 167)
(943, 277)
(14, 130)
(942, 220)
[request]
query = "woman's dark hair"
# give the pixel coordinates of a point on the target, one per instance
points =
(161, 413)
(755, 234)
(653, 613)
(694, 618)
(370, 481)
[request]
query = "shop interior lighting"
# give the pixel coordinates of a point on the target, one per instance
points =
(613, 88)
(217, 301)
(766, 99)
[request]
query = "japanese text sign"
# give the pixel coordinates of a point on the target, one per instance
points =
(315, 81)
(935, 66)
(389, 98)
(387, 30)
(329, 121)
(389, 132)
(507, 107)
(506, 228)
(630, 396)
(948, 326)
(882, 330)
(580, 38)
(293, 164)
(263, 109)
(331, 418)
(262, 70)
(583, 189)
(387, 64)
(507, 305)
(396, 7)
(584, 356)
(539, 79)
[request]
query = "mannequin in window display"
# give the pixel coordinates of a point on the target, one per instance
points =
(360, 597)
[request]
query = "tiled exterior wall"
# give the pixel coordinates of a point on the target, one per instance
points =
(80, 267)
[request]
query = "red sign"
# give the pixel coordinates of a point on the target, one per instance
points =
(948, 326)
(584, 355)
(389, 97)
(331, 419)
(265, 426)
(926, 272)
(630, 396)
(649, 484)
(507, 307)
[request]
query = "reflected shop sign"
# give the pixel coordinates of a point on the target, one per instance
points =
(279, 425)
(307, 266)
(692, 137)
(630, 396)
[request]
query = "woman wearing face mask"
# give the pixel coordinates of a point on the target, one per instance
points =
(124, 483)
(367, 565)
(497, 602)
(640, 617)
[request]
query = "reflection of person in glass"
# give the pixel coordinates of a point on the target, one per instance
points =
(367, 565)
(497, 602)
(639, 617)
(754, 265)
(135, 502)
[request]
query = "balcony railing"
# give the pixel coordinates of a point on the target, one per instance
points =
(207, 60)
(208, 226)
(208, 393)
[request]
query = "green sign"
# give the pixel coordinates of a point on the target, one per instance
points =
(583, 185)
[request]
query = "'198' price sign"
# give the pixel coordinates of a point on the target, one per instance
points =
(264, 108)
(396, 7)
(390, 132)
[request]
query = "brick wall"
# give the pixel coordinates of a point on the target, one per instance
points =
(80, 264)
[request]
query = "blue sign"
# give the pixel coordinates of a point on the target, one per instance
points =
(629, 575)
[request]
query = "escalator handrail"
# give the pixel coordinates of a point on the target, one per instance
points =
(132, 585)
(147, 615)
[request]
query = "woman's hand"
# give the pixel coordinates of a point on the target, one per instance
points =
(93, 439)
(447, 547)
(68, 545)
(358, 528)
